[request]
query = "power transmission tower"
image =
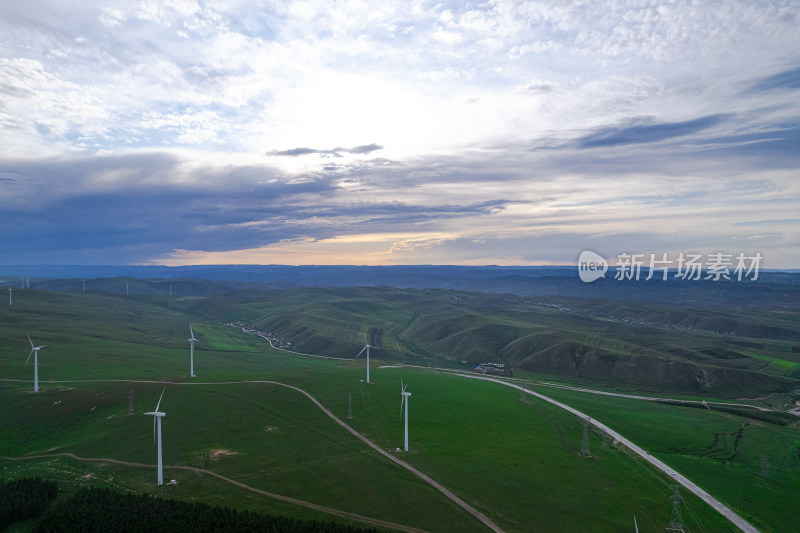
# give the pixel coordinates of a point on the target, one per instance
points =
(522, 397)
(676, 520)
(764, 467)
(349, 406)
(585, 444)
(130, 402)
(605, 440)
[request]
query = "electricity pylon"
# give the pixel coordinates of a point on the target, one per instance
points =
(676, 520)
(349, 406)
(585, 444)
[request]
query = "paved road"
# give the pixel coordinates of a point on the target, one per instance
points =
(607, 393)
(655, 398)
(724, 510)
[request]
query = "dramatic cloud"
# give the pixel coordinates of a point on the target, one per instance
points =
(294, 152)
(426, 132)
(789, 79)
(647, 133)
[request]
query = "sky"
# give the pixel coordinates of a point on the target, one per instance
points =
(375, 133)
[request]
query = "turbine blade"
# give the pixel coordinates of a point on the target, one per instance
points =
(402, 399)
(29, 358)
(190, 331)
(159, 399)
(154, 427)
(635, 524)
(359, 353)
(30, 341)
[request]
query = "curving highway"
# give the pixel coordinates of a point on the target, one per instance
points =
(724, 510)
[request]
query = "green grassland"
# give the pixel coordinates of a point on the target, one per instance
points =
(518, 462)
(723, 453)
(660, 350)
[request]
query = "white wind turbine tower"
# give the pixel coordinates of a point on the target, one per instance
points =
(404, 400)
(366, 347)
(192, 340)
(35, 354)
(157, 417)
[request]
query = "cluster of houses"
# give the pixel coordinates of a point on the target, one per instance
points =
(277, 342)
(274, 340)
(560, 307)
(486, 368)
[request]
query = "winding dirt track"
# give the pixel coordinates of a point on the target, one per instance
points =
(438, 486)
(724, 510)
(435, 484)
(303, 503)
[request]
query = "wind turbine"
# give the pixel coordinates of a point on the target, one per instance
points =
(157, 417)
(9, 294)
(35, 354)
(192, 340)
(366, 347)
(404, 400)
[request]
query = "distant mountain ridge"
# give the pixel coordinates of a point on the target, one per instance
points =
(773, 288)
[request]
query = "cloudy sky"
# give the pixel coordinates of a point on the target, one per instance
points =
(499, 132)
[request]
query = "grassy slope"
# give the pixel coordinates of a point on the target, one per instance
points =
(722, 453)
(478, 440)
(589, 343)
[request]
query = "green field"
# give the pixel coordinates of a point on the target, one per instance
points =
(517, 462)
(691, 351)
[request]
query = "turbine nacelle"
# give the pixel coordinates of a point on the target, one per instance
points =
(192, 340)
(366, 347)
(34, 349)
(156, 413)
(404, 400)
(404, 395)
